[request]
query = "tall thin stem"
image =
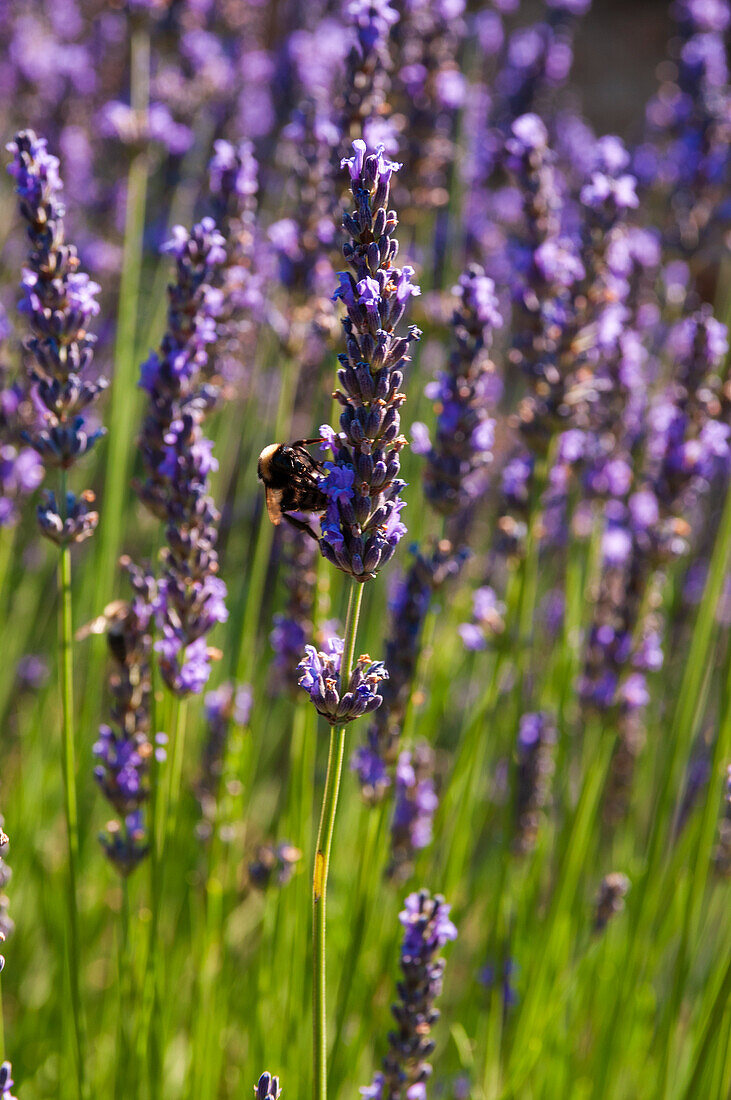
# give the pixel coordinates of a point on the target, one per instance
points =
(148, 1047)
(68, 767)
(165, 811)
(322, 856)
(126, 1075)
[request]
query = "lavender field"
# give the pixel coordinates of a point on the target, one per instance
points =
(365, 537)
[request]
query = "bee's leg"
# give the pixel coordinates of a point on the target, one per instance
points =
(301, 525)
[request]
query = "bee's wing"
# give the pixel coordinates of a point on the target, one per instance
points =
(102, 622)
(308, 464)
(274, 505)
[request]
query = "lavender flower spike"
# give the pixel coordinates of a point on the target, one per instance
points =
(415, 804)
(6, 1081)
(179, 460)
(124, 751)
(6, 924)
(536, 741)
(320, 677)
(464, 393)
(59, 301)
(427, 928)
(274, 863)
(267, 1087)
(362, 525)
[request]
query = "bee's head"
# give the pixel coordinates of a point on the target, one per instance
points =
(267, 459)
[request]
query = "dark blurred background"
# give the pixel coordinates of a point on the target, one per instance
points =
(617, 51)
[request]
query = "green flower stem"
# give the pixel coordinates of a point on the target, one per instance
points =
(7, 543)
(124, 403)
(163, 817)
(146, 1034)
(126, 1078)
(322, 856)
(68, 766)
(176, 771)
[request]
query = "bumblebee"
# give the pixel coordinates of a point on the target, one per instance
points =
(291, 478)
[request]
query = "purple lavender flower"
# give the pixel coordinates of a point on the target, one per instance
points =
(274, 863)
(21, 472)
(465, 393)
(688, 441)
(427, 929)
(32, 672)
(368, 64)
(6, 1081)
(234, 183)
(124, 750)
(119, 120)
(535, 766)
(488, 976)
(178, 461)
(537, 59)
(60, 302)
(427, 90)
(362, 525)
(372, 20)
(487, 619)
(415, 803)
(685, 161)
(6, 924)
(549, 273)
(320, 678)
(267, 1088)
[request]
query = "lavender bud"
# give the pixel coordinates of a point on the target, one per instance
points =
(362, 525)
(267, 1088)
(427, 928)
(6, 1081)
(536, 741)
(124, 750)
(78, 523)
(415, 803)
(368, 63)
(7, 926)
(274, 863)
(179, 461)
(489, 974)
(465, 392)
(610, 899)
(320, 677)
(60, 302)
(233, 182)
